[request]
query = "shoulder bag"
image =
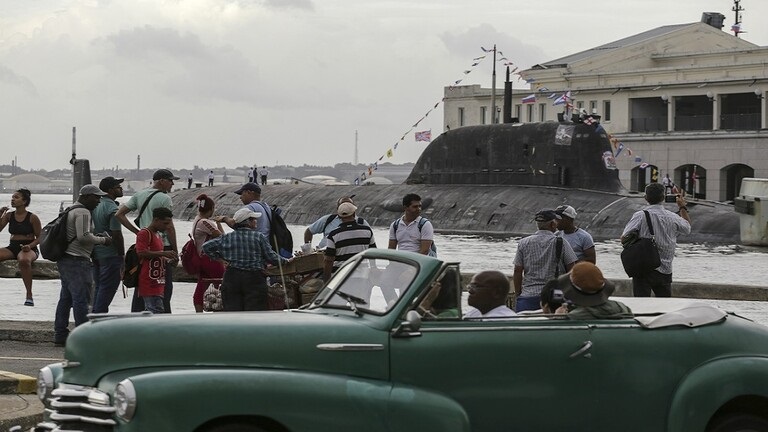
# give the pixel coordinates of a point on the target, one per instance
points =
(641, 255)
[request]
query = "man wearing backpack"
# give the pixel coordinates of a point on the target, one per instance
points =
(328, 223)
(250, 195)
(411, 232)
(75, 268)
(148, 200)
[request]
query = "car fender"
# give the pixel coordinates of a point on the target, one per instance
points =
(183, 400)
(710, 386)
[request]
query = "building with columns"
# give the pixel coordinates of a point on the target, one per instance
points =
(688, 100)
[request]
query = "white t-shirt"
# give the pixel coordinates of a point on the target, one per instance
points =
(409, 236)
(497, 312)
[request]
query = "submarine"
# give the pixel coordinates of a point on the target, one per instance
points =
(491, 180)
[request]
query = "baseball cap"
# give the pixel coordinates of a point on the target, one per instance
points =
(566, 210)
(346, 209)
(90, 189)
(244, 214)
(164, 174)
(546, 216)
(109, 182)
(253, 187)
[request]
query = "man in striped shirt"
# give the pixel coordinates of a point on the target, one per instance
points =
(347, 240)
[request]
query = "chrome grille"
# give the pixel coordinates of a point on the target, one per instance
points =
(78, 408)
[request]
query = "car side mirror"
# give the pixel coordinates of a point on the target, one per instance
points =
(410, 327)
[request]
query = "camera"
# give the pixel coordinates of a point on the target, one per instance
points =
(670, 198)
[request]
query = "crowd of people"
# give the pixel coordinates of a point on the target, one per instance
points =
(554, 268)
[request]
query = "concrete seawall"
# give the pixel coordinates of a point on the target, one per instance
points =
(47, 270)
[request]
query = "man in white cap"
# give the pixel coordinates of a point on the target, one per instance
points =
(145, 201)
(75, 268)
(581, 241)
(328, 223)
(246, 252)
(347, 240)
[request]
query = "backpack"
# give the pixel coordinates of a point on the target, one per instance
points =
(53, 237)
(190, 259)
(331, 217)
(280, 237)
(132, 268)
(432, 248)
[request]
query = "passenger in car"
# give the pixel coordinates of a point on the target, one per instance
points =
(442, 300)
(588, 290)
(488, 292)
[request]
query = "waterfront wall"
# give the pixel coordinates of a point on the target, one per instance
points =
(47, 270)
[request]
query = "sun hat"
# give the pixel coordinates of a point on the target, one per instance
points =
(546, 215)
(346, 209)
(244, 214)
(585, 285)
(253, 187)
(90, 189)
(566, 210)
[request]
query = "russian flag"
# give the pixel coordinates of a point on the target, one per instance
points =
(529, 99)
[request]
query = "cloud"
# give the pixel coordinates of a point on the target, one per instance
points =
(467, 44)
(296, 4)
(10, 77)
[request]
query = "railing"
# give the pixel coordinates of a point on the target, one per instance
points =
(693, 123)
(740, 121)
(649, 124)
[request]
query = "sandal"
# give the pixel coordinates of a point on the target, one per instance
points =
(29, 302)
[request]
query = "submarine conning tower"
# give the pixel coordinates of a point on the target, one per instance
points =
(561, 154)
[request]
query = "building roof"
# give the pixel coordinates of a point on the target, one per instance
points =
(28, 178)
(611, 46)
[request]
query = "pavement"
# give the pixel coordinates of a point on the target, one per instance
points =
(25, 347)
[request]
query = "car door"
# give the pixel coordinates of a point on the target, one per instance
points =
(508, 374)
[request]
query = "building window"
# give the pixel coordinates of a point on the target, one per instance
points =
(518, 113)
(530, 112)
(542, 112)
(592, 107)
(580, 105)
(607, 110)
(483, 111)
(461, 116)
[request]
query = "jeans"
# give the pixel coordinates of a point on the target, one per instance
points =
(154, 304)
(76, 279)
(528, 303)
(106, 276)
(659, 283)
(244, 290)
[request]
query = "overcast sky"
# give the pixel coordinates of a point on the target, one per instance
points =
(227, 83)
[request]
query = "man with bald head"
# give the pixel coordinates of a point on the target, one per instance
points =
(488, 291)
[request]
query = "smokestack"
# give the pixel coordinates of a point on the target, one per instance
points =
(715, 19)
(507, 99)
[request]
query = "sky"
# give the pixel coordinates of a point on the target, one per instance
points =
(229, 83)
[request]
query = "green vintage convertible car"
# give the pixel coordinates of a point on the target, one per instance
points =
(380, 350)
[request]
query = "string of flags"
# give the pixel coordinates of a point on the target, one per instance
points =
(426, 135)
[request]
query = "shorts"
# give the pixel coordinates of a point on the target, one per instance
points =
(15, 247)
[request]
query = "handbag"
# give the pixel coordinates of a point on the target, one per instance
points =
(641, 255)
(212, 300)
(190, 259)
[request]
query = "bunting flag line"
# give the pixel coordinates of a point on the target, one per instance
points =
(619, 149)
(424, 135)
(529, 99)
(390, 153)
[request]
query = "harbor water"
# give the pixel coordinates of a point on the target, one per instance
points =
(724, 264)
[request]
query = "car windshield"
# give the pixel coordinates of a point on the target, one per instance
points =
(370, 285)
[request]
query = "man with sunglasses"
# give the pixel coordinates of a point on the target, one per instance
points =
(488, 291)
(107, 259)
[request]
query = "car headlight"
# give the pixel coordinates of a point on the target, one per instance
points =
(44, 383)
(125, 400)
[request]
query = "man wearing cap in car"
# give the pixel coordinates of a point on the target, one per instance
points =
(586, 288)
(539, 258)
(347, 240)
(581, 241)
(107, 260)
(246, 252)
(328, 223)
(155, 196)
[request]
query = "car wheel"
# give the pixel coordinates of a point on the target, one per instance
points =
(235, 427)
(739, 423)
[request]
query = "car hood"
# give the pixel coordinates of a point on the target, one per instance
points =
(310, 341)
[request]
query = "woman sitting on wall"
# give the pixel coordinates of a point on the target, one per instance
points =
(24, 227)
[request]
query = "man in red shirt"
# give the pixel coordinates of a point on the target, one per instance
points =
(149, 248)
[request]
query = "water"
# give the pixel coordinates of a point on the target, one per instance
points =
(728, 264)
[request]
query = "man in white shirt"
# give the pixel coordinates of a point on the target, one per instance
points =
(488, 291)
(409, 233)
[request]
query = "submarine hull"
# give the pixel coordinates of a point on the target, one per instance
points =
(476, 209)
